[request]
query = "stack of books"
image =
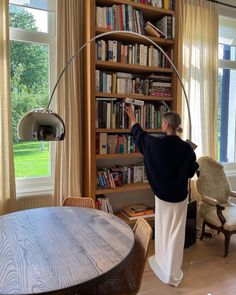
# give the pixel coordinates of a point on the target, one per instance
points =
(135, 211)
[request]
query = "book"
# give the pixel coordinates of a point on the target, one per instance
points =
(134, 101)
(137, 217)
(138, 210)
(152, 30)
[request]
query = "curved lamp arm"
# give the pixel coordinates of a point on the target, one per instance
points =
(37, 116)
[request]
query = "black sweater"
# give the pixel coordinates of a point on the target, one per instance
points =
(169, 162)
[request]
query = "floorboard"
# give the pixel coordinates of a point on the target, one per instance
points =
(206, 271)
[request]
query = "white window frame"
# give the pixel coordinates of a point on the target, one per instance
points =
(36, 186)
(230, 168)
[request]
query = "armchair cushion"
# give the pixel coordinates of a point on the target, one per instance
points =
(210, 216)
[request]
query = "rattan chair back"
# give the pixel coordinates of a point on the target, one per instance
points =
(79, 202)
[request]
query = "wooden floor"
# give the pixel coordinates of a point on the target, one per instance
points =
(206, 271)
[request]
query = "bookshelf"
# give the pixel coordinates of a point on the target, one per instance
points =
(93, 64)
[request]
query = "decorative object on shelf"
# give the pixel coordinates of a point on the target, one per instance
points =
(43, 124)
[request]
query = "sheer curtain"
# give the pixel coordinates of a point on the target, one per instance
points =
(7, 177)
(198, 35)
(68, 169)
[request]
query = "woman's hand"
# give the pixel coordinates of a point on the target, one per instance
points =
(130, 114)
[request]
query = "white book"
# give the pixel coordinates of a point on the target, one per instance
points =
(134, 101)
(103, 50)
(103, 144)
(109, 83)
(108, 115)
(115, 51)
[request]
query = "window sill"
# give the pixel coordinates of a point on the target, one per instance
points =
(33, 187)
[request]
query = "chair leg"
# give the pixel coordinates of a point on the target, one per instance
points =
(203, 230)
(227, 240)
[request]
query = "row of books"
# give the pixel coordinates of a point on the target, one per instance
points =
(111, 114)
(114, 144)
(120, 17)
(137, 54)
(108, 178)
(103, 203)
(126, 18)
(126, 83)
(166, 4)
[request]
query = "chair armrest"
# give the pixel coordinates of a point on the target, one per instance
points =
(232, 201)
(210, 201)
(232, 193)
(219, 207)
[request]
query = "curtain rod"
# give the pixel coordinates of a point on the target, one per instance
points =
(221, 3)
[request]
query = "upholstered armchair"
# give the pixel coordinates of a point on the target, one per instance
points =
(218, 208)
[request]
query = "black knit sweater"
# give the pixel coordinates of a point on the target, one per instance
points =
(169, 162)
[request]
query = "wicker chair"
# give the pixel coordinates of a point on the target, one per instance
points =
(79, 202)
(129, 280)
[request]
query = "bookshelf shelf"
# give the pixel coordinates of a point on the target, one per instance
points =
(134, 96)
(132, 38)
(120, 215)
(104, 130)
(115, 66)
(125, 188)
(119, 156)
(148, 10)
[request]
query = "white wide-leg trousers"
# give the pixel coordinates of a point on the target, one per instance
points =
(170, 221)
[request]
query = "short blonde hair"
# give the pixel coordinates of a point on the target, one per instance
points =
(174, 121)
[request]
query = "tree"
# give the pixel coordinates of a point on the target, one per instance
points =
(28, 68)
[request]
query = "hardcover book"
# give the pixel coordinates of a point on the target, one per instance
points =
(152, 30)
(138, 210)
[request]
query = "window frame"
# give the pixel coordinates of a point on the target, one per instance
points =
(230, 167)
(35, 186)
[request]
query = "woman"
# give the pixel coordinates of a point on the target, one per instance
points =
(169, 162)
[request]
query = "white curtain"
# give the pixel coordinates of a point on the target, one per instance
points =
(7, 177)
(198, 34)
(69, 159)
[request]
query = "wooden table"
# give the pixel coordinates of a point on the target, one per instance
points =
(58, 249)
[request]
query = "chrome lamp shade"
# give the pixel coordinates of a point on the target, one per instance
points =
(41, 125)
(45, 125)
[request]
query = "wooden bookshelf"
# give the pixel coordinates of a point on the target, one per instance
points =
(91, 65)
(132, 222)
(134, 96)
(115, 66)
(125, 188)
(125, 37)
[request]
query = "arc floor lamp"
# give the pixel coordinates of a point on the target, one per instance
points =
(43, 124)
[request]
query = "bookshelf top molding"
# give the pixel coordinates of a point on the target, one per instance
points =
(148, 10)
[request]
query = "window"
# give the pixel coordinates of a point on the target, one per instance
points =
(227, 91)
(32, 64)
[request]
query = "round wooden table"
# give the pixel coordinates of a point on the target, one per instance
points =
(58, 249)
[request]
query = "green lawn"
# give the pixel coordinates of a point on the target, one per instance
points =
(31, 159)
